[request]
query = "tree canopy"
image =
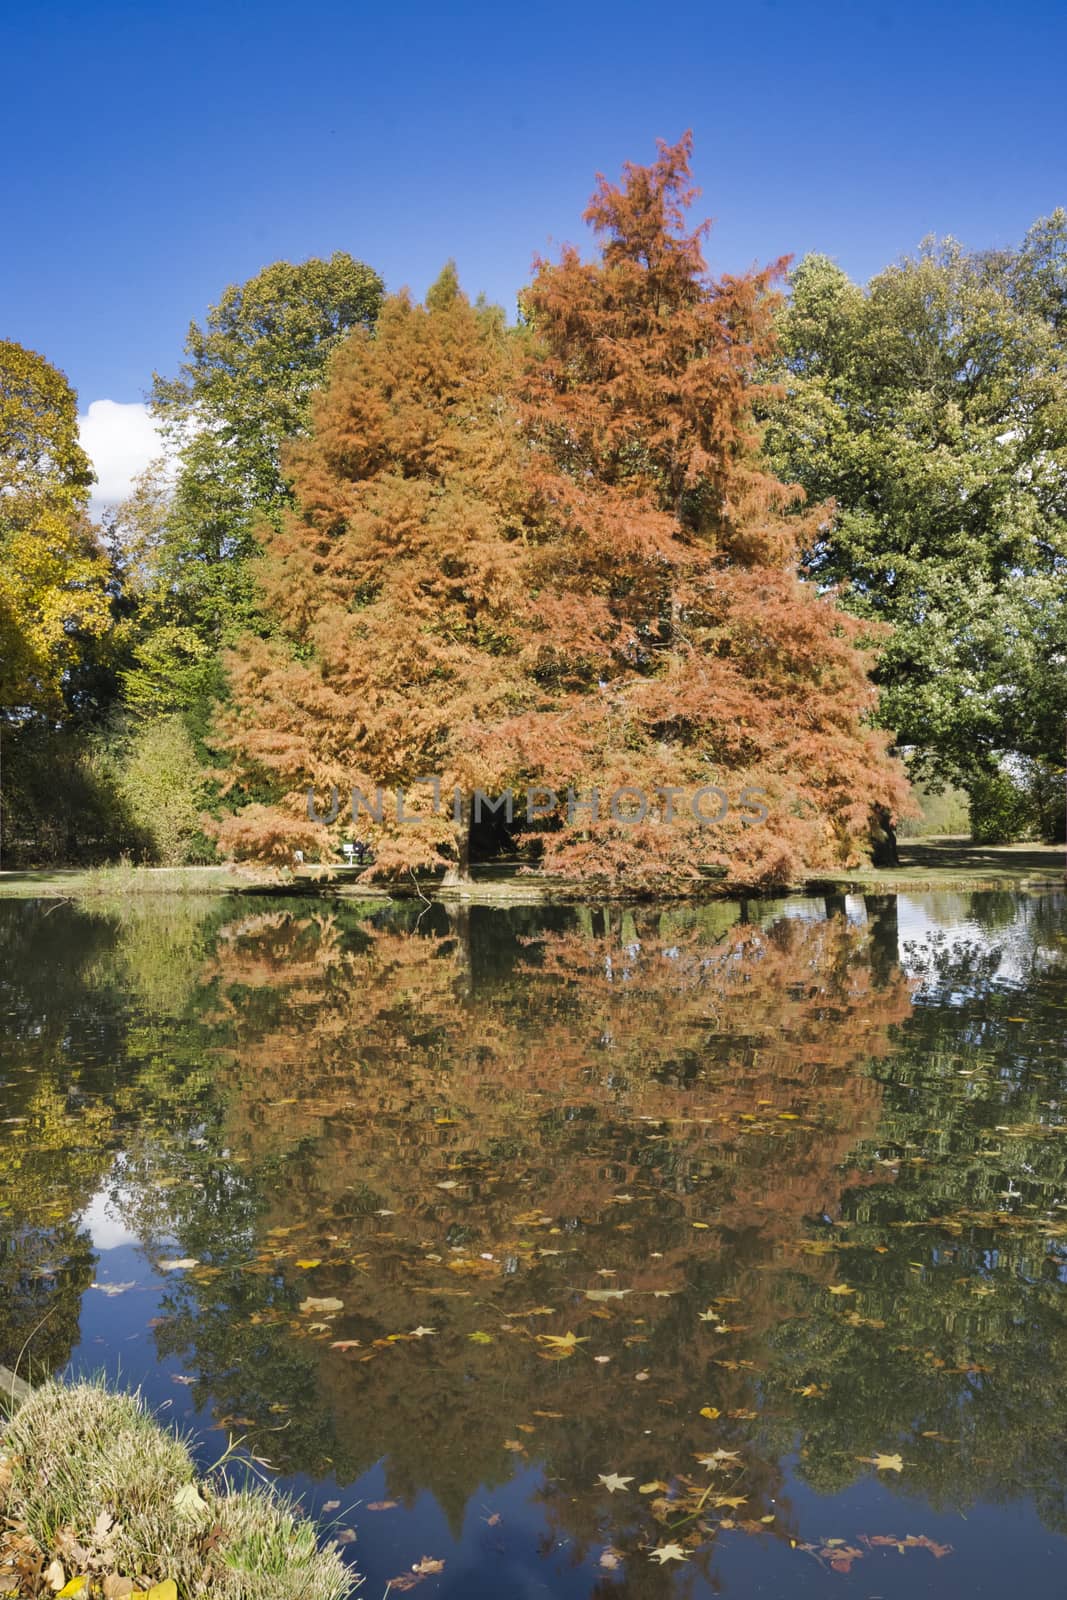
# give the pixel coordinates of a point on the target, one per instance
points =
(189, 533)
(932, 407)
(53, 591)
(556, 559)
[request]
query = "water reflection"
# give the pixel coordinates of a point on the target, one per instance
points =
(724, 1202)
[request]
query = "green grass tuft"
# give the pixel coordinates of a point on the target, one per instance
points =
(94, 1469)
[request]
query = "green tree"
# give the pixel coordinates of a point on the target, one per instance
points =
(188, 541)
(932, 408)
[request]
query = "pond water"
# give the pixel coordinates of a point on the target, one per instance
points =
(590, 1253)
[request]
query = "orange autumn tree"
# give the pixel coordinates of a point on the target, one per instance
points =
(555, 561)
(683, 648)
(397, 595)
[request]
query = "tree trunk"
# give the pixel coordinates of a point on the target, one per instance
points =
(460, 870)
(883, 839)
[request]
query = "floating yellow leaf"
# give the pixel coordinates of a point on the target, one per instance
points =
(711, 1412)
(559, 1345)
(884, 1463)
(307, 1265)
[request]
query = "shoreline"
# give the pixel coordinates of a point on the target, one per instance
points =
(927, 865)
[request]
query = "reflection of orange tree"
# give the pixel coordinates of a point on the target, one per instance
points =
(643, 1111)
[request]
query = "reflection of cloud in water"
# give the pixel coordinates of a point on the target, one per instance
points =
(102, 1221)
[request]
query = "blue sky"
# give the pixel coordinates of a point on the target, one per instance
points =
(154, 153)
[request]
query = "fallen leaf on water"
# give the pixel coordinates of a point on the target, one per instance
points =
(840, 1555)
(612, 1482)
(657, 1486)
(840, 1288)
(711, 1412)
(606, 1294)
(420, 1332)
(884, 1463)
(558, 1346)
(668, 1552)
(382, 1505)
(345, 1344)
(178, 1264)
(610, 1559)
(911, 1541)
(478, 1337)
(328, 1303)
(331, 1505)
(313, 1261)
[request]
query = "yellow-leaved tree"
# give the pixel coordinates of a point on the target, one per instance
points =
(53, 591)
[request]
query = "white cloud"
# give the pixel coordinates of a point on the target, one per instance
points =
(120, 440)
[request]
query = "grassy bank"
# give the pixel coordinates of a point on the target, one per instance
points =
(924, 864)
(98, 1500)
(957, 864)
(84, 883)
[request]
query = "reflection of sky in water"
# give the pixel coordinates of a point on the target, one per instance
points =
(103, 1223)
(957, 920)
(810, 1105)
(952, 920)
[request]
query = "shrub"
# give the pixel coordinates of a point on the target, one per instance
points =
(165, 791)
(1001, 811)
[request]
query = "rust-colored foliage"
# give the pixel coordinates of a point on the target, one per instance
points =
(557, 559)
(456, 1148)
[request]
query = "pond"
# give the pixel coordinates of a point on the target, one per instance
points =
(572, 1252)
